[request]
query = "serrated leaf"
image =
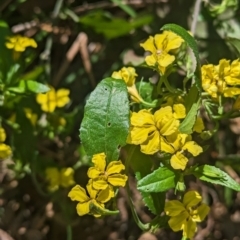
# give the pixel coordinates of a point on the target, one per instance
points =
(106, 119)
(187, 124)
(160, 180)
(29, 86)
(192, 45)
(215, 175)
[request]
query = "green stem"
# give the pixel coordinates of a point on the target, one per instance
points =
(148, 104)
(141, 225)
(168, 86)
(69, 232)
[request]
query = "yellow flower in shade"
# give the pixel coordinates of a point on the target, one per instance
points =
(31, 116)
(5, 151)
(150, 130)
(106, 177)
(52, 99)
(184, 215)
(19, 43)
(128, 74)
(57, 178)
(96, 198)
(220, 79)
(160, 47)
(180, 143)
(199, 125)
(2, 135)
(236, 105)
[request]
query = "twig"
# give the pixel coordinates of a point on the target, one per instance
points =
(197, 9)
(71, 53)
(83, 48)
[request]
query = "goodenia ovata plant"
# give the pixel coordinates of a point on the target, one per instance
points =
(157, 137)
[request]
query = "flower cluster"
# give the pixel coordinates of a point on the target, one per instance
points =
(222, 79)
(100, 187)
(159, 132)
(52, 99)
(57, 178)
(5, 150)
(162, 48)
(19, 43)
(184, 215)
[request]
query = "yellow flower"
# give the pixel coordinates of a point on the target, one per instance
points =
(185, 215)
(129, 76)
(236, 105)
(52, 99)
(106, 177)
(218, 79)
(31, 116)
(57, 178)
(199, 125)
(160, 45)
(2, 135)
(19, 43)
(180, 143)
(150, 130)
(96, 198)
(5, 151)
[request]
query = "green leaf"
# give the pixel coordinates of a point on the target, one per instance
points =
(130, 11)
(142, 164)
(214, 175)
(29, 86)
(192, 45)
(106, 119)
(160, 180)
(235, 43)
(187, 124)
(145, 90)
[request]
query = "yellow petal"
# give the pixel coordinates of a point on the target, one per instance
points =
(115, 167)
(48, 107)
(231, 92)
(174, 208)
(166, 146)
(189, 228)
(203, 211)
(53, 177)
(166, 60)
(177, 223)
(179, 111)
(83, 208)
(160, 40)
(117, 75)
(66, 176)
(78, 194)
(105, 195)
(151, 60)
(99, 161)
(149, 45)
(91, 190)
(41, 98)
(191, 199)
(152, 144)
(93, 172)
(199, 125)
(174, 41)
(178, 161)
(100, 183)
(143, 118)
(2, 135)
(117, 180)
(62, 97)
(193, 148)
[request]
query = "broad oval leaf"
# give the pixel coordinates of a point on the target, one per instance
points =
(214, 175)
(106, 119)
(183, 33)
(160, 180)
